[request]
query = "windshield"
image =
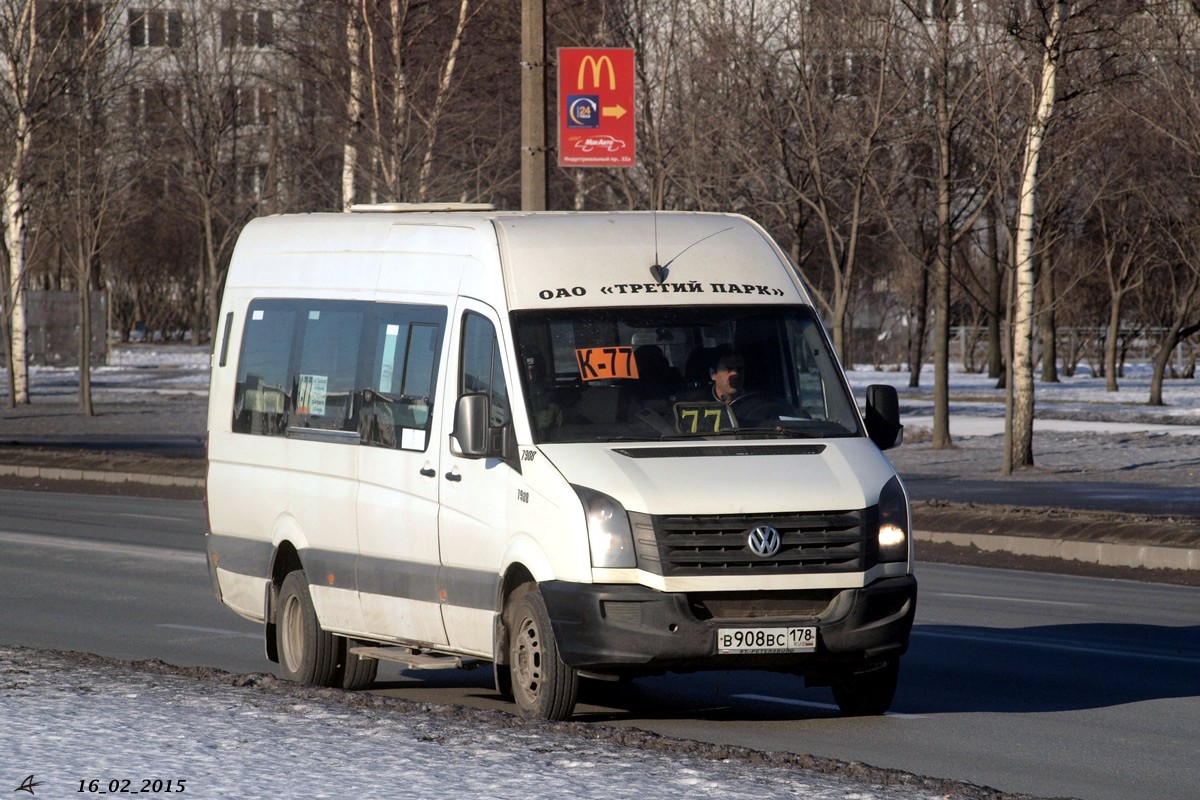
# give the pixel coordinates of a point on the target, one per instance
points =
(616, 374)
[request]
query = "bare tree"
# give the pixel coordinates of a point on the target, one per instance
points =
(33, 35)
(403, 61)
(1043, 90)
(1168, 104)
(945, 46)
(88, 159)
(214, 70)
(840, 99)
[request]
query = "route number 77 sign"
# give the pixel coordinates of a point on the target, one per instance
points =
(595, 107)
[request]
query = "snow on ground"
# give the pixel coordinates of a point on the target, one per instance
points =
(69, 723)
(1075, 404)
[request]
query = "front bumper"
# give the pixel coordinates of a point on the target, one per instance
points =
(633, 629)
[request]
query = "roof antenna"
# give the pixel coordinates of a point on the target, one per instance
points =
(657, 271)
(660, 272)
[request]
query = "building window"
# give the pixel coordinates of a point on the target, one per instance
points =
(155, 28)
(248, 105)
(153, 105)
(73, 18)
(252, 181)
(247, 28)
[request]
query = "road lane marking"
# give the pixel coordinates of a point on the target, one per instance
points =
(787, 701)
(1060, 647)
(214, 631)
(1029, 600)
(103, 547)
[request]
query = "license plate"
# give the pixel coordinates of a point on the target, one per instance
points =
(766, 640)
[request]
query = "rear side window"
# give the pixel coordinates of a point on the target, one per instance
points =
(326, 378)
(368, 370)
(263, 394)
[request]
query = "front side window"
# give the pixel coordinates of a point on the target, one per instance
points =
(690, 372)
(482, 370)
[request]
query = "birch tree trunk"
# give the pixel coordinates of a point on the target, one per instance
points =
(1023, 317)
(439, 103)
(353, 107)
(21, 45)
(14, 242)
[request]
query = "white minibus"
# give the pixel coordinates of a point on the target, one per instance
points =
(573, 445)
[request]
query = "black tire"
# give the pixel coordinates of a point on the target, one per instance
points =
(357, 672)
(502, 680)
(542, 685)
(867, 694)
(307, 654)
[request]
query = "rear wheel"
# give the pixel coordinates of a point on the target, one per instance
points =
(307, 654)
(357, 672)
(542, 685)
(867, 694)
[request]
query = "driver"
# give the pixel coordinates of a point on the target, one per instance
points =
(748, 408)
(726, 374)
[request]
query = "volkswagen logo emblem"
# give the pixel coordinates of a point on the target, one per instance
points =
(764, 541)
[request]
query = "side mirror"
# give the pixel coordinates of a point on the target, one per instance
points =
(471, 431)
(883, 416)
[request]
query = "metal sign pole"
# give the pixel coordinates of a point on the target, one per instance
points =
(533, 105)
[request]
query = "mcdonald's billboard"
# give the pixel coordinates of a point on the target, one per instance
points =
(595, 107)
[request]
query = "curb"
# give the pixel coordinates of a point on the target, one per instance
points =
(58, 473)
(1107, 554)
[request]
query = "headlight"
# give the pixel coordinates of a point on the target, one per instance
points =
(893, 522)
(609, 535)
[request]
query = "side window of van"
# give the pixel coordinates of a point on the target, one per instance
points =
(325, 380)
(263, 392)
(482, 371)
(398, 398)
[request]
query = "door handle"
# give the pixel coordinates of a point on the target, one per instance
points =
(428, 472)
(453, 476)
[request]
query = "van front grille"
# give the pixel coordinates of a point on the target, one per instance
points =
(683, 545)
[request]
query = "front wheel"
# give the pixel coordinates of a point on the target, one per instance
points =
(867, 694)
(542, 685)
(307, 654)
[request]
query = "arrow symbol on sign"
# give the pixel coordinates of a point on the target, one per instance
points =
(617, 111)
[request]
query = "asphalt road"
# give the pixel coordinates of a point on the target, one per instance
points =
(1041, 684)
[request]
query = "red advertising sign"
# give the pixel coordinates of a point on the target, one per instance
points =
(595, 107)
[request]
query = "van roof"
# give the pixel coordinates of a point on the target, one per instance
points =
(544, 259)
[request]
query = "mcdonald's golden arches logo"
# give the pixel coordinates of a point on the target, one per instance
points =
(597, 65)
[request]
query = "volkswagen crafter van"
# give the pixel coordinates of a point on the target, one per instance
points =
(451, 436)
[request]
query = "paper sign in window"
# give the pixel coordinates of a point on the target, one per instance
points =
(310, 394)
(602, 363)
(387, 368)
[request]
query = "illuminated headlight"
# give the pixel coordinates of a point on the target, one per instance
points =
(609, 535)
(893, 522)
